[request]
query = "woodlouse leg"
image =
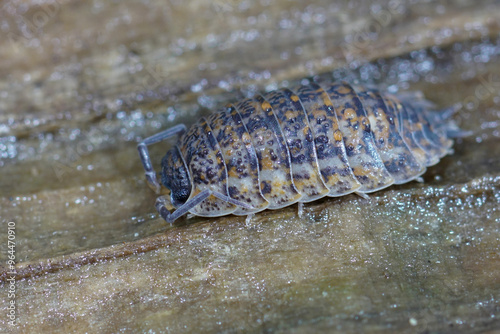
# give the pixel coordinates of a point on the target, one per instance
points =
(248, 219)
(170, 217)
(232, 201)
(301, 209)
(146, 159)
(360, 194)
(183, 209)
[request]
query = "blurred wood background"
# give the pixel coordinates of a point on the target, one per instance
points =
(81, 82)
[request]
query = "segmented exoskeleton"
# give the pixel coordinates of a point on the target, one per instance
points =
(285, 146)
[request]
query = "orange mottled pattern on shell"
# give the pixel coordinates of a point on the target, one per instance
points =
(240, 157)
(273, 155)
(329, 141)
(300, 143)
(362, 153)
(207, 169)
(397, 157)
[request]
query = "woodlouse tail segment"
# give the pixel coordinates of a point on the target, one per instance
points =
(411, 122)
(442, 122)
(397, 111)
(453, 131)
(358, 137)
(397, 157)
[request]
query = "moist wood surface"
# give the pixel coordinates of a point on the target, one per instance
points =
(80, 86)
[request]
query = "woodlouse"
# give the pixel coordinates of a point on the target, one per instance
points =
(285, 146)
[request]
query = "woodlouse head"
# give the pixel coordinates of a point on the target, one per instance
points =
(175, 177)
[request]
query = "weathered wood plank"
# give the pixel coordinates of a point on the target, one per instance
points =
(81, 82)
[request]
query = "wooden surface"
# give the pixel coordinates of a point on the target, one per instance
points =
(82, 82)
